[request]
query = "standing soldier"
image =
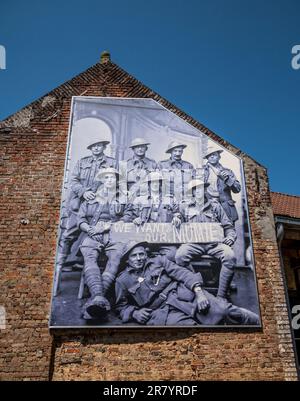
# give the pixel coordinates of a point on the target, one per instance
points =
(135, 170)
(220, 182)
(94, 220)
(211, 212)
(179, 172)
(82, 187)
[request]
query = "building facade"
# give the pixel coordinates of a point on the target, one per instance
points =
(33, 152)
(287, 218)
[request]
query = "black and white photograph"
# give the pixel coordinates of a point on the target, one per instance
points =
(150, 197)
(154, 227)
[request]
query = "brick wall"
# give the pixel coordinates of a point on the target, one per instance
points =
(32, 155)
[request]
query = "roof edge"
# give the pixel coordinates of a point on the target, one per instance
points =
(172, 107)
(51, 92)
(285, 194)
(154, 95)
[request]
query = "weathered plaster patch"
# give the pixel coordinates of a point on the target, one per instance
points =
(48, 100)
(267, 225)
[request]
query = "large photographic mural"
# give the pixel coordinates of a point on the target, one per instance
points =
(154, 226)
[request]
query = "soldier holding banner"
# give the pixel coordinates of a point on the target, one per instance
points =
(211, 211)
(94, 220)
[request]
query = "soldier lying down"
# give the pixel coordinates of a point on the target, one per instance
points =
(156, 291)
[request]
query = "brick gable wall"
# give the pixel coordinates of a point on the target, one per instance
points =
(32, 160)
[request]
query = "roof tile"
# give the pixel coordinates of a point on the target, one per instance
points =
(286, 205)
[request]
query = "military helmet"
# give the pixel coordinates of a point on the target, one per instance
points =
(94, 141)
(212, 148)
(195, 183)
(103, 171)
(138, 142)
(175, 144)
(130, 246)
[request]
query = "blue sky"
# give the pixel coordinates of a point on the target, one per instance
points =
(225, 62)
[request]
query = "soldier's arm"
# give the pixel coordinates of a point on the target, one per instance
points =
(182, 274)
(140, 211)
(123, 306)
(82, 221)
(129, 214)
(177, 217)
(176, 210)
(123, 170)
(76, 184)
(154, 165)
(193, 281)
(135, 210)
(159, 166)
(233, 183)
(115, 164)
(189, 170)
(182, 208)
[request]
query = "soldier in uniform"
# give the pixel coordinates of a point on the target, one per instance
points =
(194, 210)
(156, 207)
(94, 220)
(221, 182)
(156, 291)
(82, 187)
(179, 172)
(135, 170)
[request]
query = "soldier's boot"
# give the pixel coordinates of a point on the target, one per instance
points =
(61, 258)
(226, 275)
(97, 306)
(242, 316)
(110, 273)
(63, 252)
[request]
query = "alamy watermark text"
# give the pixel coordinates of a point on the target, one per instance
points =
(296, 59)
(2, 58)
